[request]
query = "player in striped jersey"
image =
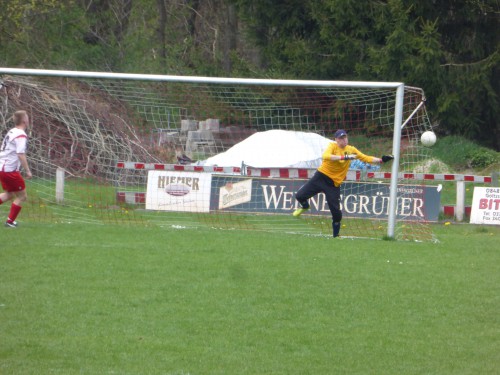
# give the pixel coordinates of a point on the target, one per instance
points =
(12, 158)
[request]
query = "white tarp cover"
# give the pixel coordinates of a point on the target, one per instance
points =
(274, 149)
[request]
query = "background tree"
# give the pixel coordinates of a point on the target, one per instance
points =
(450, 48)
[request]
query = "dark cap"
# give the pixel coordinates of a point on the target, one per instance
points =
(340, 133)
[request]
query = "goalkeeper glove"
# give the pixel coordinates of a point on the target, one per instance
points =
(387, 158)
(349, 157)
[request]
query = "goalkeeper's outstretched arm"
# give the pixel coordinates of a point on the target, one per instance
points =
(383, 159)
(343, 157)
(367, 159)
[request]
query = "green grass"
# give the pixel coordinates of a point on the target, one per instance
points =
(97, 299)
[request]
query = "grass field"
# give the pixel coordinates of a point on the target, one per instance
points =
(104, 299)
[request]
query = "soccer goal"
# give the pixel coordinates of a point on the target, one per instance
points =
(218, 152)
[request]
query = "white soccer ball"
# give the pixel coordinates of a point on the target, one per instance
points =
(428, 138)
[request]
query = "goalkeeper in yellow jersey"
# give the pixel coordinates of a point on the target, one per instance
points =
(330, 175)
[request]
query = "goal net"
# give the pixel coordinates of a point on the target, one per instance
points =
(218, 153)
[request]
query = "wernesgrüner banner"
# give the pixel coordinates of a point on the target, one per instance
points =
(358, 199)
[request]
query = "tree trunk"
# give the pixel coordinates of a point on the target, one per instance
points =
(161, 29)
(231, 37)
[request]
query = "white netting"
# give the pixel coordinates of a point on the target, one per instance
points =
(87, 126)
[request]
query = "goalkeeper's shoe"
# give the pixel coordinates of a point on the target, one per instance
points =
(11, 224)
(299, 211)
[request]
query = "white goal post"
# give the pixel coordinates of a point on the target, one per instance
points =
(370, 110)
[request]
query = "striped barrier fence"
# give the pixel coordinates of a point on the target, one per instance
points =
(458, 211)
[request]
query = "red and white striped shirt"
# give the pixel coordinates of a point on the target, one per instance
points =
(14, 143)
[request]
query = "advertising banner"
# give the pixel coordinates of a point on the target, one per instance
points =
(485, 206)
(178, 191)
(358, 199)
(235, 193)
(205, 192)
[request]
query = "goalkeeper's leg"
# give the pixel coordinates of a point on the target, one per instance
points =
(307, 191)
(302, 197)
(333, 199)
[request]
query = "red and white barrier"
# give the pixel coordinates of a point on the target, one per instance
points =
(358, 175)
(452, 210)
(177, 167)
(130, 197)
(301, 172)
(459, 210)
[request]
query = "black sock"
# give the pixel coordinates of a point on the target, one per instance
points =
(336, 229)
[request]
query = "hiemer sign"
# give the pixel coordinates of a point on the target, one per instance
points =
(361, 200)
(485, 206)
(178, 191)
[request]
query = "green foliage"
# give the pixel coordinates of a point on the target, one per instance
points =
(27, 30)
(453, 150)
(483, 157)
(449, 48)
(462, 153)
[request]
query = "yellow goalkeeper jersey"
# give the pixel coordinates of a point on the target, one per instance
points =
(337, 170)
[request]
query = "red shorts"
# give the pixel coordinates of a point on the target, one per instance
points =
(12, 181)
